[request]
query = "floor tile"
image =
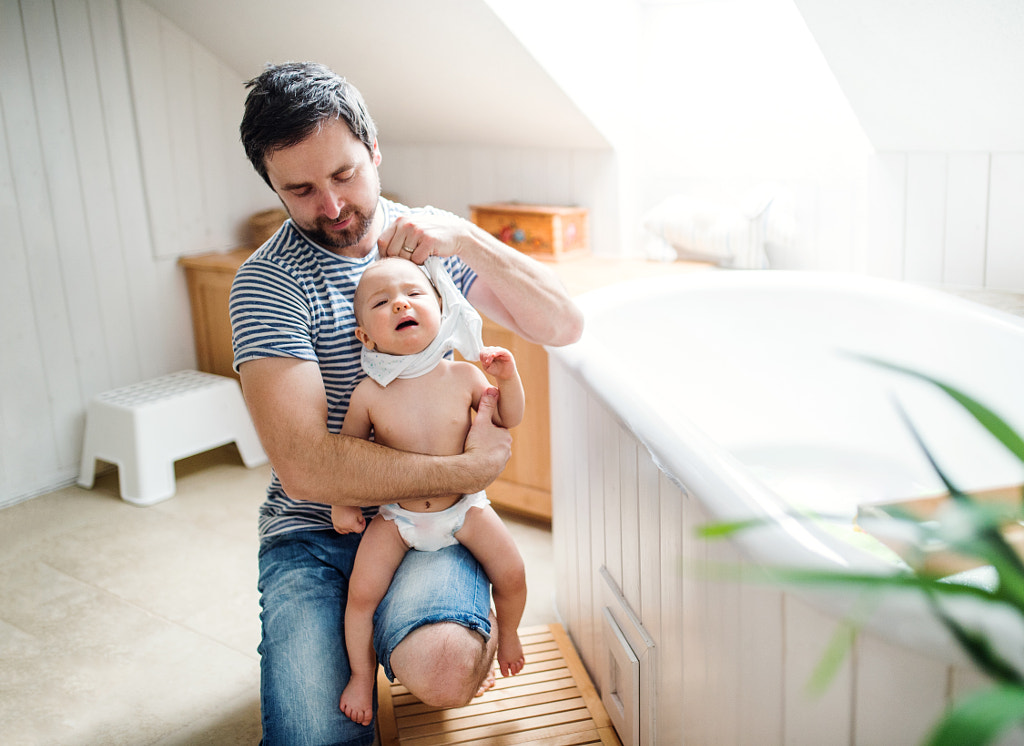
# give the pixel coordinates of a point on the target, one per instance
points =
(129, 625)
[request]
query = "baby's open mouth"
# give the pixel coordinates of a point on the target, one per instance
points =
(406, 324)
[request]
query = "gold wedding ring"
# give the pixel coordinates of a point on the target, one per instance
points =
(406, 248)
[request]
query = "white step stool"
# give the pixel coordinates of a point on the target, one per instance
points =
(145, 427)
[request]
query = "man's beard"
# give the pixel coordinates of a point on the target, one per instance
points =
(352, 235)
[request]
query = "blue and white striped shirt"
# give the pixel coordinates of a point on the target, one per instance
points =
(293, 298)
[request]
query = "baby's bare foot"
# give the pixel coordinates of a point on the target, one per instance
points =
(510, 655)
(357, 700)
(488, 683)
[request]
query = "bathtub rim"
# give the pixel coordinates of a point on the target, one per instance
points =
(705, 468)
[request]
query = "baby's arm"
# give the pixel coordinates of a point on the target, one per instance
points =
(498, 363)
(489, 540)
(357, 419)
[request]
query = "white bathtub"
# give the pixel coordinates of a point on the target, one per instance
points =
(724, 395)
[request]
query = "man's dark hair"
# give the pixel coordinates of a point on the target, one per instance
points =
(288, 102)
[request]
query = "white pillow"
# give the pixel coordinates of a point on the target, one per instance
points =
(706, 230)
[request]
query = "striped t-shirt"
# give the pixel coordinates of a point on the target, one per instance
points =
(293, 298)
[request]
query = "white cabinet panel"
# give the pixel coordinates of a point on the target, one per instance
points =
(629, 690)
(760, 652)
(811, 718)
(621, 691)
(608, 466)
(629, 516)
(922, 685)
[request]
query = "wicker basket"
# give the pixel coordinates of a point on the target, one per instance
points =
(264, 224)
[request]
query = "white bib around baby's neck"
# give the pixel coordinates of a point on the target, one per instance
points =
(461, 329)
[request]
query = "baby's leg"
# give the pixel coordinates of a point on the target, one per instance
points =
(484, 534)
(380, 553)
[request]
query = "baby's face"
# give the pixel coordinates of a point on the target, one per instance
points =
(396, 307)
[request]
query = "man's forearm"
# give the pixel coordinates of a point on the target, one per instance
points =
(286, 400)
(520, 292)
(342, 470)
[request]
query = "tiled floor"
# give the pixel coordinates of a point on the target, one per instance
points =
(127, 625)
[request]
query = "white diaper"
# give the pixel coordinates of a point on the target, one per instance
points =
(429, 532)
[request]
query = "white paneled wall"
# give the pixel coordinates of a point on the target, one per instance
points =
(91, 296)
(731, 660)
(199, 187)
(1004, 257)
(953, 219)
(121, 155)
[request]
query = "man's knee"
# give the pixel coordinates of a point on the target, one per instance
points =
(442, 664)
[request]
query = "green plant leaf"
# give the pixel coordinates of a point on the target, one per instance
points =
(839, 647)
(978, 647)
(840, 644)
(988, 419)
(980, 717)
(969, 527)
(723, 529)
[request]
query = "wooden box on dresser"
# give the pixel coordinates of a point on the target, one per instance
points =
(525, 485)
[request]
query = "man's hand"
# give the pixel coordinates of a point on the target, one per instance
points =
(421, 236)
(489, 446)
(511, 289)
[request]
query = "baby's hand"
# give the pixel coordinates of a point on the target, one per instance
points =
(498, 363)
(347, 519)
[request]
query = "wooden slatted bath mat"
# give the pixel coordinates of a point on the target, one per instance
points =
(551, 702)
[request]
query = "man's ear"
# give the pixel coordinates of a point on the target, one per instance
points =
(363, 337)
(376, 153)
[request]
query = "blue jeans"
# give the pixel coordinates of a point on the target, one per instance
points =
(303, 662)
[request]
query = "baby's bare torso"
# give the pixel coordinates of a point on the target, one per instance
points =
(428, 414)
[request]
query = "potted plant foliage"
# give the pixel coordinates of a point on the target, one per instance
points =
(977, 531)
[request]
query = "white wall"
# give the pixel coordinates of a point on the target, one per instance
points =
(953, 219)
(929, 190)
(455, 177)
(736, 93)
(937, 76)
(91, 296)
(592, 50)
(199, 187)
(121, 154)
(936, 88)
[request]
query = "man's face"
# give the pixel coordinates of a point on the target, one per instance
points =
(330, 187)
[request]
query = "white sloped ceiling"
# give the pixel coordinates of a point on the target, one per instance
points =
(928, 75)
(437, 72)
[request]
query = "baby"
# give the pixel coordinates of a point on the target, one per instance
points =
(415, 400)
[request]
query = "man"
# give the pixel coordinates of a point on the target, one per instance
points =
(308, 134)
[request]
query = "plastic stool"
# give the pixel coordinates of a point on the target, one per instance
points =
(145, 427)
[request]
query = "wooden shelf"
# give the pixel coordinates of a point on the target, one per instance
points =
(552, 702)
(209, 279)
